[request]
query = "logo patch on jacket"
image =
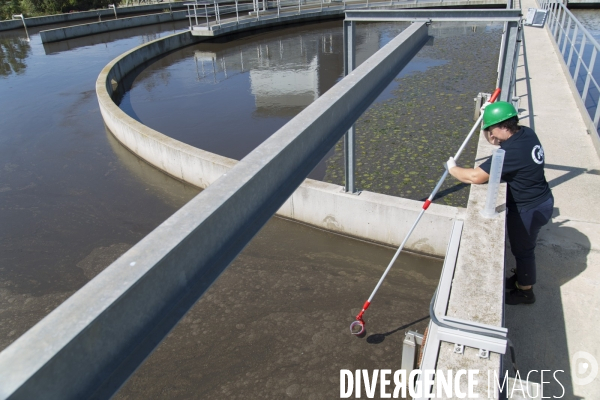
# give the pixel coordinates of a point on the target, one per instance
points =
(537, 154)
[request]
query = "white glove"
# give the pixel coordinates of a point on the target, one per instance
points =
(487, 103)
(450, 163)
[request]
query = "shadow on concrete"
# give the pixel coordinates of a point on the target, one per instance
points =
(538, 331)
(378, 338)
(572, 172)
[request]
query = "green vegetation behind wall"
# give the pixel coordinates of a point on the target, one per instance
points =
(34, 8)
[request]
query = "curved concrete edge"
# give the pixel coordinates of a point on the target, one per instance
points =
(371, 216)
(74, 16)
(75, 31)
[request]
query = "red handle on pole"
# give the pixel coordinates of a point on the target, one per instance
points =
(495, 95)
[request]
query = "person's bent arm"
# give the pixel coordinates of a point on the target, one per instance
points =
(467, 175)
(470, 175)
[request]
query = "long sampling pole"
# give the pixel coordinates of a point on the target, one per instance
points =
(357, 327)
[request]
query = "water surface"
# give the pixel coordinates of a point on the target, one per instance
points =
(72, 199)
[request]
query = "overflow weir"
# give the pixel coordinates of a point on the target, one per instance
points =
(188, 252)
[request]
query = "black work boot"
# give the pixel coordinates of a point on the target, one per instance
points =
(511, 283)
(520, 296)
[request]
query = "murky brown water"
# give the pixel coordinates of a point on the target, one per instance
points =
(72, 199)
(66, 195)
(276, 323)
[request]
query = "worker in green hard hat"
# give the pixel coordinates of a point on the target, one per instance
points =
(529, 200)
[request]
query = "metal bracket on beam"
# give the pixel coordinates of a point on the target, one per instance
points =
(479, 100)
(412, 339)
(409, 352)
(477, 341)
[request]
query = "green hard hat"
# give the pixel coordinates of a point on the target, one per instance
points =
(497, 112)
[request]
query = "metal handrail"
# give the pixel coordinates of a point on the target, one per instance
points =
(269, 9)
(566, 29)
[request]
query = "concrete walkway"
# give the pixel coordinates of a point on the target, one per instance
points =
(564, 320)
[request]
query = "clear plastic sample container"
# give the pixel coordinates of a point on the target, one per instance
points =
(493, 184)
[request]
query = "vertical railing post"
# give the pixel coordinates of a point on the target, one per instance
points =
(597, 115)
(579, 57)
(557, 20)
(573, 41)
(588, 78)
(22, 18)
(349, 137)
(550, 16)
(189, 15)
(237, 14)
(218, 15)
(114, 9)
(513, 78)
(566, 37)
(562, 25)
(196, 14)
(554, 8)
(206, 15)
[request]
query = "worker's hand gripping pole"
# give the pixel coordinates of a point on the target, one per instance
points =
(357, 327)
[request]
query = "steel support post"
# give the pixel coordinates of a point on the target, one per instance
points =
(349, 137)
(507, 57)
(513, 78)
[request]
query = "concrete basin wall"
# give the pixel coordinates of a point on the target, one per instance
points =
(75, 16)
(371, 216)
(71, 32)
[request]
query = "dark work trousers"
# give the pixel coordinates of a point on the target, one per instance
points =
(523, 228)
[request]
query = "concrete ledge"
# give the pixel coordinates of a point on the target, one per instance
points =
(477, 292)
(71, 32)
(384, 219)
(75, 16)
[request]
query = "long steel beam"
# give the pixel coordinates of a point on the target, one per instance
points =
(478, 15)
(95, 340)
(508, 58)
